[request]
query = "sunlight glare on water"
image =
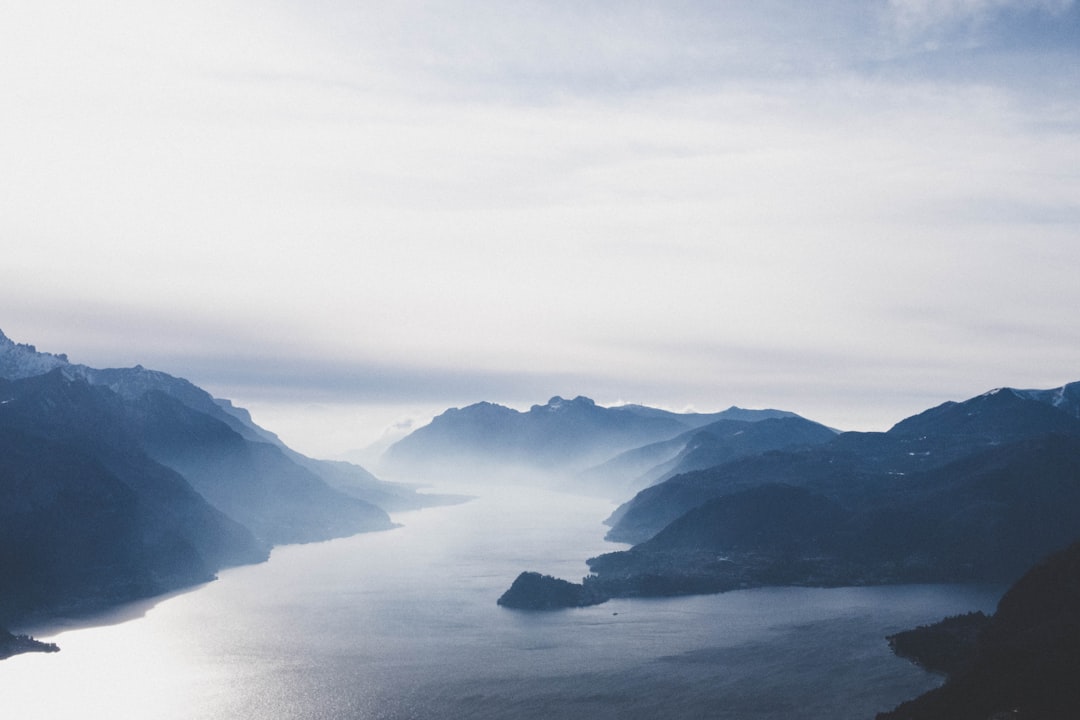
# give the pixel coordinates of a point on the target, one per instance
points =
(403, 624)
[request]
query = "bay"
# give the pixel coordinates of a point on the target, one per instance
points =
(403, 624)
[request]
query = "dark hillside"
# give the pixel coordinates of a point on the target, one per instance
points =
(1026, 661)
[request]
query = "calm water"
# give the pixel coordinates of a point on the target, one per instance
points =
(404, 624)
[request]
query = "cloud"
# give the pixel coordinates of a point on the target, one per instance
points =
(924, 14)
(932, 25)
(682, 203)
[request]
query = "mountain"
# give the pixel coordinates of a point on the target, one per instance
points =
(251, 482)
(653, 508)
(853, 466)
(985, 518)
(1065, 398)
(255, 483)
(994, 417)
(559, 436)
(718, 442)
(726, 440)
(124, 483)
(562, 437)
(1022, 663)
(975, 491)
(18, 360)
(87, 524)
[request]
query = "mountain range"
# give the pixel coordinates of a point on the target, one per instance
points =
(117, 484)
(972, 491)
(575, 441)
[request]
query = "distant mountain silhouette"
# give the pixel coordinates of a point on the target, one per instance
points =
(561, 437)
(255, 483)
(707, 446)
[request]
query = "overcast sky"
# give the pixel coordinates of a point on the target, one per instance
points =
(350, 215)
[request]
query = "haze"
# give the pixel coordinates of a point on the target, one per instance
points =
(348, 216)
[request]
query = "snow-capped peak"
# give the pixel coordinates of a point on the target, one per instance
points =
(19, 360)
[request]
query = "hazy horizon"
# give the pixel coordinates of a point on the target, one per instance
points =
(349, 217)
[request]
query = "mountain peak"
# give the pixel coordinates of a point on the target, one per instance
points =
(19, 360)
(1001, 414)
(558, 404)
(1000, 391)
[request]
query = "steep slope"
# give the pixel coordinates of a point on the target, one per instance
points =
(1065, 398)
(985, 518)
(655, 507)
(724, 441)
(20, 361)
(707, 446)
(632, 470)
(853, 466)
(767, 535)
(252, 482)
(997, 416)
(1026, 660)
(81, 528)
(127, 483)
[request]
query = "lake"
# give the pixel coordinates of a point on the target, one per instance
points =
(403, 624)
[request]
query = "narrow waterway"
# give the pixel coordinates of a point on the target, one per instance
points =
(403, 624)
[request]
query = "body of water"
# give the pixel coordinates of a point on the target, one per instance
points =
(403, 624)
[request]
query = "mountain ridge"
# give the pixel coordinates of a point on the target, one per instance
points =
(562, 438)
(922, 442)
(971, 491)
(123, 483)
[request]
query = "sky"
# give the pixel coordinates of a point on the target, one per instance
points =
(349, 216)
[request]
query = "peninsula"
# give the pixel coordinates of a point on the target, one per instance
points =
(11, 644)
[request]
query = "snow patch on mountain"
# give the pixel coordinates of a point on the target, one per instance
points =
(19, 360)
(1065, 398)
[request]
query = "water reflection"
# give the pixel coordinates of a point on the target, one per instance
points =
(403, 624)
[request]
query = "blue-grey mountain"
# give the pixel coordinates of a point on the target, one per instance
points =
(562, 437)
(124, 483)
(708, 446)
(852, 464)
(975, 491)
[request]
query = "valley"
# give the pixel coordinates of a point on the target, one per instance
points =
(123, 485)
